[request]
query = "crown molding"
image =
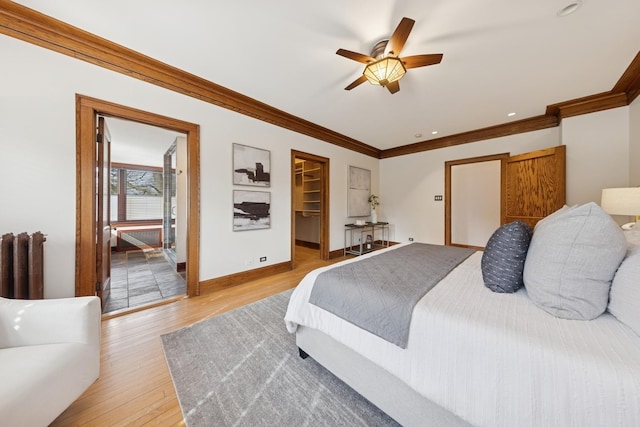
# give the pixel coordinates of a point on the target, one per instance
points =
(37, 28)
(587, 104)
(623, 93)
(506, 129)
(629, 83)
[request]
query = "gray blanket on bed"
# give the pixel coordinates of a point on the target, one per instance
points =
(378, 293)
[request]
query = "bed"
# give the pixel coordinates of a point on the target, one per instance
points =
(483, 358)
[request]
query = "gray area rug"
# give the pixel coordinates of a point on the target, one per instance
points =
(242, 369)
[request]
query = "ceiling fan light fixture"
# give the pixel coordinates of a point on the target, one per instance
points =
(384, 71)
(384, 67)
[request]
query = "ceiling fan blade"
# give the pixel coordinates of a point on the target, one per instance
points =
(358, 82)
(421, 60)
(394, 87)
(365, 59)
(400, 35)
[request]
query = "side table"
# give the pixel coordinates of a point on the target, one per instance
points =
(364, 245)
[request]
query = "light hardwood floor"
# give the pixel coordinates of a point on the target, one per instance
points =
(135, 386)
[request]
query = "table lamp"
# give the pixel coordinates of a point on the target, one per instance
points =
(622, 201)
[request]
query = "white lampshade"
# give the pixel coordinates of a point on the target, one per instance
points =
(622, 201)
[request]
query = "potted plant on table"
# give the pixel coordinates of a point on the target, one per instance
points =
(374, 201)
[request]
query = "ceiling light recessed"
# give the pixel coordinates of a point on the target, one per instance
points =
(570, 8)
(435, 132)
(511, 114)
(418, 135)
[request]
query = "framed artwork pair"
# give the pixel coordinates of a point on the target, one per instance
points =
(251, 167)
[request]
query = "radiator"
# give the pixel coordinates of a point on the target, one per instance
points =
(143, 238)
(21, 265)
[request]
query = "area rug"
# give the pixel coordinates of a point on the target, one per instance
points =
(242, 368)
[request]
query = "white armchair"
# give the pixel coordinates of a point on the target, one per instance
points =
(49, 355)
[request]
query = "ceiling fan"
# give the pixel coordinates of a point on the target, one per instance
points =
(384, 65)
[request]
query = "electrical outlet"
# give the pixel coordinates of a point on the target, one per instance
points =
(437, 198)
(411, 239)
(263, 258)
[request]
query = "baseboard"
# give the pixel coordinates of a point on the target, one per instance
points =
(181, 266)
(311, 245)
(245, 276)
(257, 273)
(338, 253)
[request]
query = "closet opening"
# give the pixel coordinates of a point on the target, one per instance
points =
(310, 207)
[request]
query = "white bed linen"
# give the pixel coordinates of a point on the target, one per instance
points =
(497, 359)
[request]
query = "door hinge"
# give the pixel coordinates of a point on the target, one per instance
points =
(99, 138)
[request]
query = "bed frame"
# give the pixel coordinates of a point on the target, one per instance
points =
(384, 390)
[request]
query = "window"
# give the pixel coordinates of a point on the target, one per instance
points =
(136, 193)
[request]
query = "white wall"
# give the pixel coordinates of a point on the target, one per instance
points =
(37, 125)
(634, 143)
(603, 150)
(38, 146)
(408, 183)
(597, 153)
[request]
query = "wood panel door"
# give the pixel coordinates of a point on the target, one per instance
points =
(103, 212)
(535, 185)
(532, 186)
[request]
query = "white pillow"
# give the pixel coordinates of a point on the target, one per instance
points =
(624, 299)
(571, 262)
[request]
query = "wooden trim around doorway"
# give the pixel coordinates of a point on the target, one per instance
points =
(86, 111)
(324, 203)
(447, 189)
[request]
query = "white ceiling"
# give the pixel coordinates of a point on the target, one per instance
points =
(500, 56)
(137, 143)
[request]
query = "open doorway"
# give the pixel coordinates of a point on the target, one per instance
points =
(147, 214)
(310, 207)
(87, 253)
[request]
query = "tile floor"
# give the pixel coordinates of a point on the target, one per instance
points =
(141, 277)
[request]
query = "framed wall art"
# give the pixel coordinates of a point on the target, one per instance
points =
(251, 166)
(251, 210)
(359, 188)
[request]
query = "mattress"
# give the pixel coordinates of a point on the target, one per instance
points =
(497, 359)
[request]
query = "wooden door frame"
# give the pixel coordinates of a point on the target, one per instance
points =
(503, 157)
(86, 111)
(324, 203)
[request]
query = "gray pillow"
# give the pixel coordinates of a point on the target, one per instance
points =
(571, 262)
(562, 210)
(624, 299)
(503, 257)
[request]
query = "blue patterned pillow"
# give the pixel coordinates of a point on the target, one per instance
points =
(504, 256)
